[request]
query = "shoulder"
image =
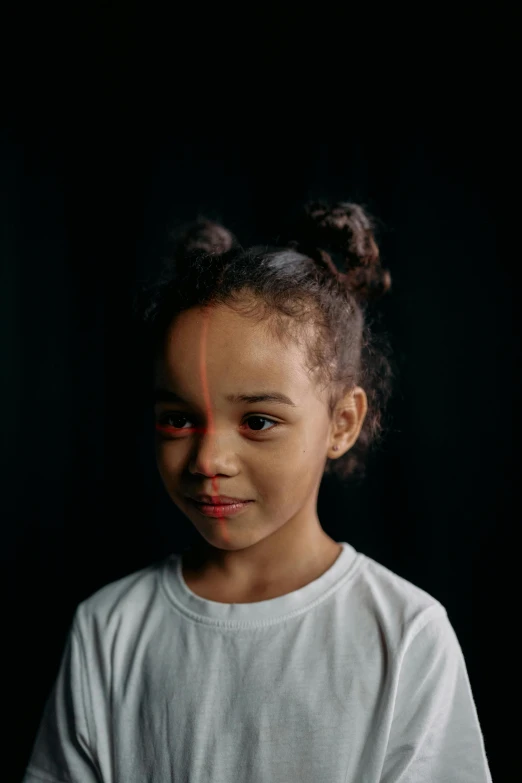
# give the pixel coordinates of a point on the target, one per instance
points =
(121, 604)
(400, 607)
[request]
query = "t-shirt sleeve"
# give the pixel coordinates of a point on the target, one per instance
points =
(62, 751)
(435, 733)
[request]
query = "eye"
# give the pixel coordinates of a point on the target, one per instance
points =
(178, 418)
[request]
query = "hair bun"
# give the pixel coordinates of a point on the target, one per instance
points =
(341, 237)
(204, 236)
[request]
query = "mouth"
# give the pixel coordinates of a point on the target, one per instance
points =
(220, 510)
(216, 500)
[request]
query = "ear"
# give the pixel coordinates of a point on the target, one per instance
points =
(347, 421)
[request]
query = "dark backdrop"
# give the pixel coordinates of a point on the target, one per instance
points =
(100, 155)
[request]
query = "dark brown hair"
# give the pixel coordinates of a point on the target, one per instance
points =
(315, 287)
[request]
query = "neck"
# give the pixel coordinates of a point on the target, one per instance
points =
(283, 561)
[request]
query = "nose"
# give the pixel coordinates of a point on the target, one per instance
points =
(210, 457)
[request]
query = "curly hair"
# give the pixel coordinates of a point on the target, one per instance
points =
(314, 287)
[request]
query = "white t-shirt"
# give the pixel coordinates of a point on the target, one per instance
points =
(358, 677)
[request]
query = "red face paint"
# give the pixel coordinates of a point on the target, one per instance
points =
(221, 512)
(217, 511)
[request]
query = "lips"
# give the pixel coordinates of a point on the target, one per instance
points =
(222, 510)
(217, 500)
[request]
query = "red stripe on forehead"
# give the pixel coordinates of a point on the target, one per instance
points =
(204, 382)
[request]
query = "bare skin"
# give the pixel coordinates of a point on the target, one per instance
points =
(276, 545)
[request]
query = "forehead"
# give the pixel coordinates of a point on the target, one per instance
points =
(234, 350)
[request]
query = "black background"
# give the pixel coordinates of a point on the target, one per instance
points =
(115, 127)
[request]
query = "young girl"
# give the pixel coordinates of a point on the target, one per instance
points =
(267, 651)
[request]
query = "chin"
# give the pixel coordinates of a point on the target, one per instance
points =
(227, 538)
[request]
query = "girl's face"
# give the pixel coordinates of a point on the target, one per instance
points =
(270, 452)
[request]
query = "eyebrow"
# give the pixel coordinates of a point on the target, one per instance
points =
(165, 395)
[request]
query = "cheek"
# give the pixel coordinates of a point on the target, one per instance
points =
(168, 460)
(295, 470)
(279, 475)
